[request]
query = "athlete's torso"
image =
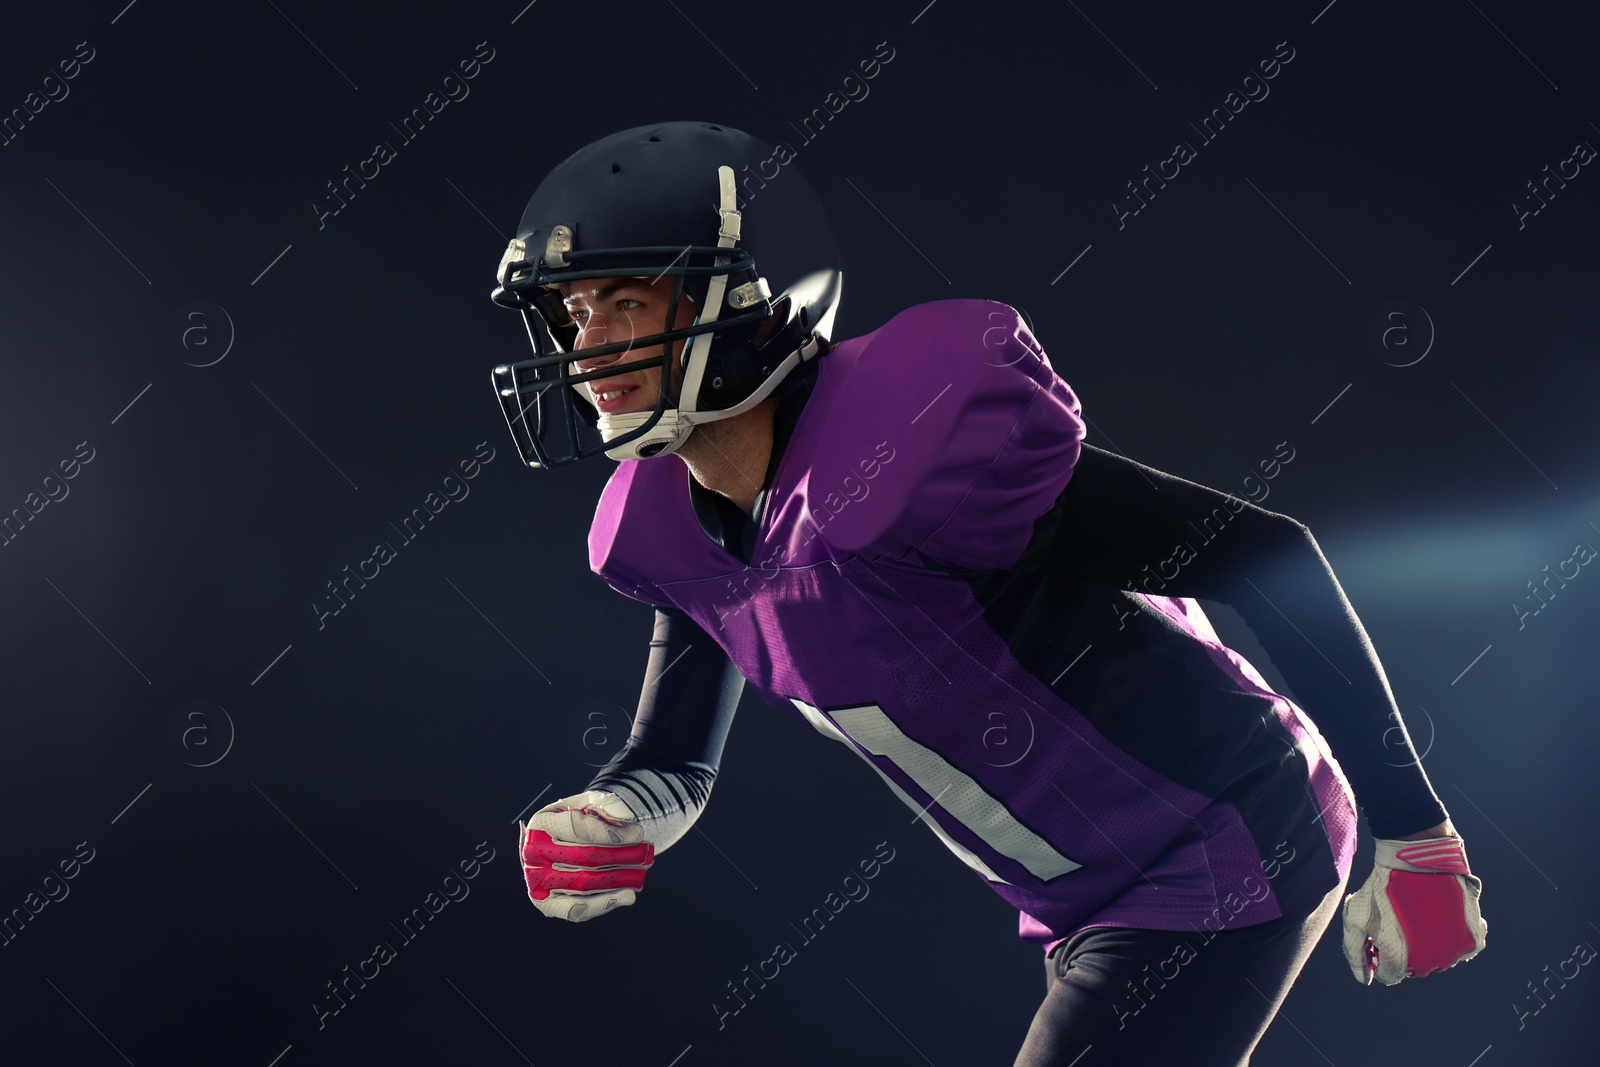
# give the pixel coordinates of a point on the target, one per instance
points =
(1096, 754)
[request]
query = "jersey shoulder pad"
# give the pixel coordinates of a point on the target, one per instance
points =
(952, 429)
(638, 498)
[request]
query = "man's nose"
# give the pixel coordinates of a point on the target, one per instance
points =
(596, 333)
(594, 362)
(593, 335)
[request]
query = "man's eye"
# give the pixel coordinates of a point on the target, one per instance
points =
(579, 314)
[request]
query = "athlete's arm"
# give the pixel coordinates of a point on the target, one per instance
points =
(690, 693)
(1117, 516)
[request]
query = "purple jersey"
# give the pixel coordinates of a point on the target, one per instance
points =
(1096, 754)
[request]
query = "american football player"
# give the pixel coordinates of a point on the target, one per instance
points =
(903, 538)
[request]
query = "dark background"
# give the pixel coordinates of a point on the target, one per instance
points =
(485, 667)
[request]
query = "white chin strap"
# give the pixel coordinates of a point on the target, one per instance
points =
(676, 423)
(665, 436)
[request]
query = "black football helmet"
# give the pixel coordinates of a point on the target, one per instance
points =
(721, 213)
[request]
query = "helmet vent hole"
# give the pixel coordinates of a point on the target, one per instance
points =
(653, 137)
(717, 128)
(616, 168)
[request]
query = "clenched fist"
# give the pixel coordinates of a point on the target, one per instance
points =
(583, 856)
(1417, 914)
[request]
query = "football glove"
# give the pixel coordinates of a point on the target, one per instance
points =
(1416, 914)
(583, 856)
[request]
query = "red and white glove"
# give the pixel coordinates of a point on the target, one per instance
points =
(1417, 913)
(583, 856)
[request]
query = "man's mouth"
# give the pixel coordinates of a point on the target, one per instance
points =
(608, 400)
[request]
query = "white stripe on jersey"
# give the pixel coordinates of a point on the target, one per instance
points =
(967, 801)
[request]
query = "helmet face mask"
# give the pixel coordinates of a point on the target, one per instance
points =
(586, 223)
(544, 397)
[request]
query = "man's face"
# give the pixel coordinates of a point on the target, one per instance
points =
(614, 310)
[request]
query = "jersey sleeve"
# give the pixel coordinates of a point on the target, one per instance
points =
(971, 432)
(686, 706)
(1120, 520)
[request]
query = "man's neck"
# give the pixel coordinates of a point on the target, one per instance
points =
(730, 456)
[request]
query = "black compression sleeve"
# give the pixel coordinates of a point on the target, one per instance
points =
(686, 706)
(1124, 524)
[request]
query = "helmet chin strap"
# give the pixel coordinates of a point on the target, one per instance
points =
(676, 423)
(665, 436)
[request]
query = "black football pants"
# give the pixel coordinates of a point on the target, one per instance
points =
(1175, 999)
